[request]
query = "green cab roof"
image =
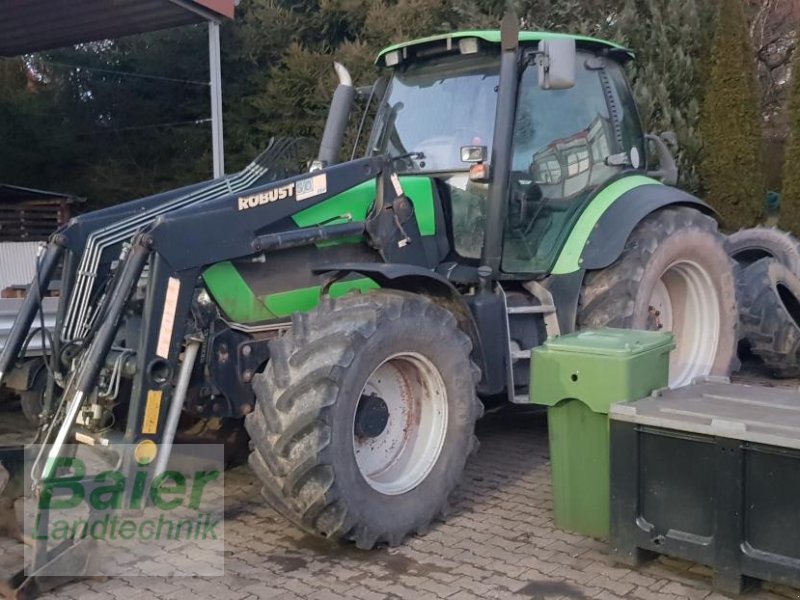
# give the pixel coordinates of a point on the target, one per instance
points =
(493, 37)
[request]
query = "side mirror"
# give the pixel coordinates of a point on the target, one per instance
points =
(474, 154)
(477, 155)
(556, 61)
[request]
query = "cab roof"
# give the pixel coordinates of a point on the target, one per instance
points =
(418, 47)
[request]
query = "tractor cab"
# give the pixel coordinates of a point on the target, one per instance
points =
(437, 118)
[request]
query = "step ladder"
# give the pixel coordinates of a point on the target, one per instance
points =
(547, 308)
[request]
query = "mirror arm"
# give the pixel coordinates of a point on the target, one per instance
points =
(528, 56)
(668, 170)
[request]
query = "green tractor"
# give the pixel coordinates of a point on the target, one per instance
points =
(351, 316)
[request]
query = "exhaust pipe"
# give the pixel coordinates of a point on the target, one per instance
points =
(336, 124)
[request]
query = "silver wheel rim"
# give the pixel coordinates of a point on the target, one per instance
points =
(402, 455)
(685, 301)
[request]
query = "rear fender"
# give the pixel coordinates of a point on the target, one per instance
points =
(599, 236)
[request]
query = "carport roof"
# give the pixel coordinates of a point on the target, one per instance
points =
(34, 25)
(15, 193)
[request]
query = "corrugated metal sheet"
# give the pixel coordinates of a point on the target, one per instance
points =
(17, 263)
(9, 307)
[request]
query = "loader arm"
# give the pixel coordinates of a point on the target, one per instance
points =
(180, 244)
(71, 239)
(90, 243)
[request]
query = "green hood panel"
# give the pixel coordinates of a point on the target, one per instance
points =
(357, 201)
(284, 304)
(240, 305)
(233, 295)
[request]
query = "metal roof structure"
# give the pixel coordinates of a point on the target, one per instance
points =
(30, 215)
(34, 25)
(28, 26)
(15, 193)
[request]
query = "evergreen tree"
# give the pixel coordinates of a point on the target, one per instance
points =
(292, 97)
(672, 42)
(248, 56)
(90, 120)
(36, 149)
(109, 136)
(730, 123)
(790, 203)
(587, 17)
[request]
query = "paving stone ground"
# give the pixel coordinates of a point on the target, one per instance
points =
(498, 542)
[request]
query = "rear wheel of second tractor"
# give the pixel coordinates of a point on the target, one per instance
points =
(365, 417)
(674, 275)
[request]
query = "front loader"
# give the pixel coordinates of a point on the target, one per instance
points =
(351, 316)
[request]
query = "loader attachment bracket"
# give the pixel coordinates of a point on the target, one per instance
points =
(71, 556)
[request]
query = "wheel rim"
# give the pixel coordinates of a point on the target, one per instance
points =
(685, 302)
(400, 423)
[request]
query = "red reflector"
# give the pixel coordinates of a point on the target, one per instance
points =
(479, 172)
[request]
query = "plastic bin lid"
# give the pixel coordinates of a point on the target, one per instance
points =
(717, 408)
(611, 342)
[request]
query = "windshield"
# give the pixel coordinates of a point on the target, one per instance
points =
(433, 109)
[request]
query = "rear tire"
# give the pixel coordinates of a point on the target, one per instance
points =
(770, 314)
(349, 439)
(675, 275)
(747, 246)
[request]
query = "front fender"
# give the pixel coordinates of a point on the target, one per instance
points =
(417, 280)
(600, 234)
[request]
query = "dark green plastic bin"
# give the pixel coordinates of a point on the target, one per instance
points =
(579, 376)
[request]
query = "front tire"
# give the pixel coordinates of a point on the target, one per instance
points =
(674, 275)
(364, 417)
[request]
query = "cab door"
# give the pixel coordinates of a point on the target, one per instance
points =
(568, 144)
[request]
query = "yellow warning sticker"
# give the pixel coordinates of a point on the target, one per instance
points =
(151, 412)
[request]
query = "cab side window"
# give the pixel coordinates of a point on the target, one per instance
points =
(562, 140)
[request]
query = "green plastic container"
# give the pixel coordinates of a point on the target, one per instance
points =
(579, 376)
